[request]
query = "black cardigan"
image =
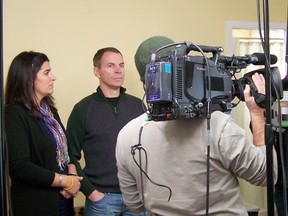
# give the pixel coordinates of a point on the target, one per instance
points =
(32, 164)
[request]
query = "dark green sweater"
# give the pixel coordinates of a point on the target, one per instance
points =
(32, 164)
(93, 128)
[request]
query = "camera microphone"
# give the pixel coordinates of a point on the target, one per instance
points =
(243, 61)
(259, 59)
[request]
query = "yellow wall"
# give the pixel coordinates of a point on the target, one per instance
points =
(71, 31)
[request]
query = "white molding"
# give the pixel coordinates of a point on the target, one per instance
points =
(230, 25)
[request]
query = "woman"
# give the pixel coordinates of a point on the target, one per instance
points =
(38, 156)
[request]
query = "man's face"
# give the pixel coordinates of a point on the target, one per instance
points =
(111, 72)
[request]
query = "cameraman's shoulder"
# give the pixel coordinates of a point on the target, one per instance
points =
(219, 116)
(136, 123)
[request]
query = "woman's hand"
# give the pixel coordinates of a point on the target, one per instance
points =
(71, 185)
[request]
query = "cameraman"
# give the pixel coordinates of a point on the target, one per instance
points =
(173, 159)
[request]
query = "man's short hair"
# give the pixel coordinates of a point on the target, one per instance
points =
(98, 55)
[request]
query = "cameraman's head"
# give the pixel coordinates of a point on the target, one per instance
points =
(144, 51)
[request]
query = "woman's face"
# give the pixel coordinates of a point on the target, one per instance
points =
(44, 82)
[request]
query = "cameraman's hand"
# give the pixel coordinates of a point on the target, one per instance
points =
(256, 112)
(259, 82)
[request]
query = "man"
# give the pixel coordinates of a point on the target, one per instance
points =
(162, 165)
(93, 127)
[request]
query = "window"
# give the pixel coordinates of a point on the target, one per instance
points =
(247, 41)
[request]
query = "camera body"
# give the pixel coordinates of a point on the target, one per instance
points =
(181, 86)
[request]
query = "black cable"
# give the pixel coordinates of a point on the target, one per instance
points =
(140, 161)
(142, 171)
(208, 170)
(282, 161)
(208, 116)
(139, 148)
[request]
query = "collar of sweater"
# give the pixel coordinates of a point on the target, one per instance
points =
(100, 93)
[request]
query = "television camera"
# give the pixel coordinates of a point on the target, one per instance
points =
(182, 86)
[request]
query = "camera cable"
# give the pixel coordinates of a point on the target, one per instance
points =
(140, 166)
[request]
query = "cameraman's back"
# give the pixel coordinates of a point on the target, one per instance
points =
(174, 158)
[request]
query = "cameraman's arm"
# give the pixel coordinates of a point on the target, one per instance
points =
(256, 113)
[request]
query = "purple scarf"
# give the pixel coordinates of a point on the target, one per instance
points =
(54, 127)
